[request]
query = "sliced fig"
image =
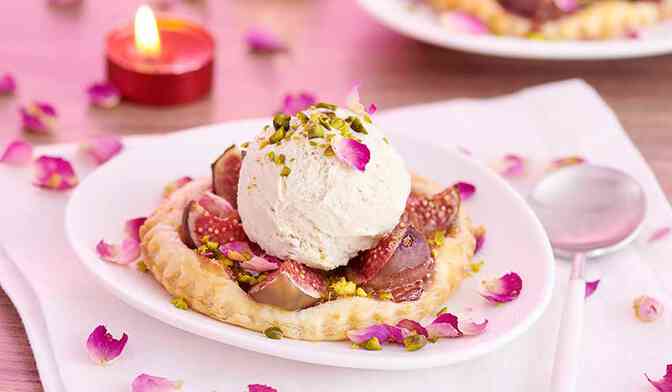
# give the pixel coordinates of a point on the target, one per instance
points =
(225, 174)
(431, 213)
(293, 286)
(399, 264)
(198, 222)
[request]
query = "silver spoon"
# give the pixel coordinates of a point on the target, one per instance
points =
(587, 211)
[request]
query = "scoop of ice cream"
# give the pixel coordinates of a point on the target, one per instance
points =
(301, 196)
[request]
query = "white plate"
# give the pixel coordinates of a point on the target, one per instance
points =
(130, 185)
(422, 24)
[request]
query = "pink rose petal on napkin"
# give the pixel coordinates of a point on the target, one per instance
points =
(102, 148)
(660, 233)
(175, 185)
(132, 227)
(591, 287)
(665, 383)
(463, 23)
(260, 388)
(17, 153)
(512, 165)
(647, 308)
(123, 254)
(383, 332)
(293, 104)
(352, 152)
(38, 117)
(259, 264)
(566, 161)
(103, 347)
(567, 5)
(264, 41)
(54, 173)
(413, 326)
(104, 95)
(146, 383)
(503, 289)
(466, 189)
(7, 84)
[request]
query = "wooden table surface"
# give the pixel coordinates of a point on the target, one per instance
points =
(55, 52)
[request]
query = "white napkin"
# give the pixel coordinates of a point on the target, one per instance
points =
(63, 304)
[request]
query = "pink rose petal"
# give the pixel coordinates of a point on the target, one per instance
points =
(123, 254)
(480, 240)
(17, 153)
(463, 23)
(512, 165)
(372, 109)
(264, 41)
(175, 185)
(444, 326)
(241, 247)
(353, 102)
(665, 383)
(660, 233)
(146, 383)
(102, 148)
(352, 152)
(38, 117)
(103, 347)
(466, 189)
(132, 228)
(260, 388)
(471, 327)
(293, 104)
(104, 95)
(413, 326)
(7, 84)
(503, 289)
(567, 5)
(591, 287)
(647, 308)
(54, 173)
(384, 333)
(259, 264)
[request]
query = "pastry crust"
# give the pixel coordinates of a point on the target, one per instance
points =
(602, 20)
(209, 290)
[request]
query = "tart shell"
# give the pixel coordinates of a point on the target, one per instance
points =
(603, 20)
(208, 289)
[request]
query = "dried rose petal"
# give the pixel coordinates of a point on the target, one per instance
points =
(259, 264)
(413, 326)
(660, 233)
(146, 383)
(104, 95)
(264, 41)
(647, 308)
(591, 287)
(512, 165)
(503, 289)
(38, 117)
(566, 161)
(123, 254)
(103, 347)
(479, 234)
(665, 383)
(352, 152)
(175, 185)
(444, 326)
(466, 189)
(293, 104)
(566, 5)
(372, 109)
(236, 250)
(383, 332)
(7, 84)
(54, 173)
(132, 228)
(353, 102)
(102, 148)
(18, 153)
(260, 388)
(463, 23)
(472, 328)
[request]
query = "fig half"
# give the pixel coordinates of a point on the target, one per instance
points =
(211, 217)
(225, 174)
(431, 213)
(293, 286)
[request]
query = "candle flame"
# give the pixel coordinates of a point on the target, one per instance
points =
(147, 39)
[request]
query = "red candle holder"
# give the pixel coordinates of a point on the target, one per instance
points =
(181, 73)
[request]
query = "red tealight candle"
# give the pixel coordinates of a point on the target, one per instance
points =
(160, 62)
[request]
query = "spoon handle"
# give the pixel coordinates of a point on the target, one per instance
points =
(566, 367)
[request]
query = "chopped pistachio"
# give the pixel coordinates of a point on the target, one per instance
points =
(314, 131)
(355, 346)
(433, 340)
(414, 342)
(361, 293)
(237, 256)
(386, 140)
(245, 145)
(367, 118)
(437, 238)
(302, 117)
(271, 156)
(329, 152)
(285, 171)
(372, 344)
(279, 159)
(226, 262)
(434, 253)
(141, 266)
(385, 296)
(273, 333)
(277, 136)
(344, 287)
(357, 125)
(537, 36)
(263, 144)
(338, 123)
(180, 303)
(442, 311)
(247, 278)
(211, 245)
(324, 105)
(476, 267)
(281, 120)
